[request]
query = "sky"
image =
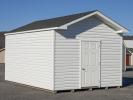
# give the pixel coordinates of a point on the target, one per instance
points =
(16, 13)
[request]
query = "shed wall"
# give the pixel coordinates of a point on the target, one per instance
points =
(29, 59)
(91, 29)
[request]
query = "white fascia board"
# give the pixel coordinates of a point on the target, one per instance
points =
(105, 19)
(120, 31)
(112, 23)
(36, 30)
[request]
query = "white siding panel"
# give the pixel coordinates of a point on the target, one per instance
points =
(66, 64)
(29, 59)
(90, 29)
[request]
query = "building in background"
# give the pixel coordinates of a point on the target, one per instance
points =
(128, 43)
(2, 47)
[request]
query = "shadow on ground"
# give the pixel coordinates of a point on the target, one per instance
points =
(129, 69)
(127, 81)
(128, 77)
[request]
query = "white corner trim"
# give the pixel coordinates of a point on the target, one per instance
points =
(100, 15)
(36, 30)
(54, 44)
(80, 64)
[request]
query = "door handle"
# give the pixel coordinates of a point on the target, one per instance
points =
(83, 68)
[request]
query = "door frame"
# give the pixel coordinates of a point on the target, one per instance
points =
(80, 62)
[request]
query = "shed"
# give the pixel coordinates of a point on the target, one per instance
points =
(70, 52)
(2, 48)
(128, 43)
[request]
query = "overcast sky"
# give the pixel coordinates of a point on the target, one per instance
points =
(15, 13)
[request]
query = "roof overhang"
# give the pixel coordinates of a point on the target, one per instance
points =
(105, 19)
(36, 30)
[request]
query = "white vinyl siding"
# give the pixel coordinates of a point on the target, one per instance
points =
(29, 59)
(90, 29)
(66, 64)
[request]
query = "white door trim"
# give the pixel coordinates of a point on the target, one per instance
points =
(80, 62)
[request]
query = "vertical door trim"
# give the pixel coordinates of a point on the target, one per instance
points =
(80, 62)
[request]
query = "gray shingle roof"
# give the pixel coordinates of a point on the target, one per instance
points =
(49, 23)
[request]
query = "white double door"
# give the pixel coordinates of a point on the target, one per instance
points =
(90, 63)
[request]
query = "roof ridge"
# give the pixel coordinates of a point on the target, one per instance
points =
(67, 15)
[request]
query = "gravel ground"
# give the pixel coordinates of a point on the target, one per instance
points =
(11, 91)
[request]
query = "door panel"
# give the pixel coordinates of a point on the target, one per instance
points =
(90, 63)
